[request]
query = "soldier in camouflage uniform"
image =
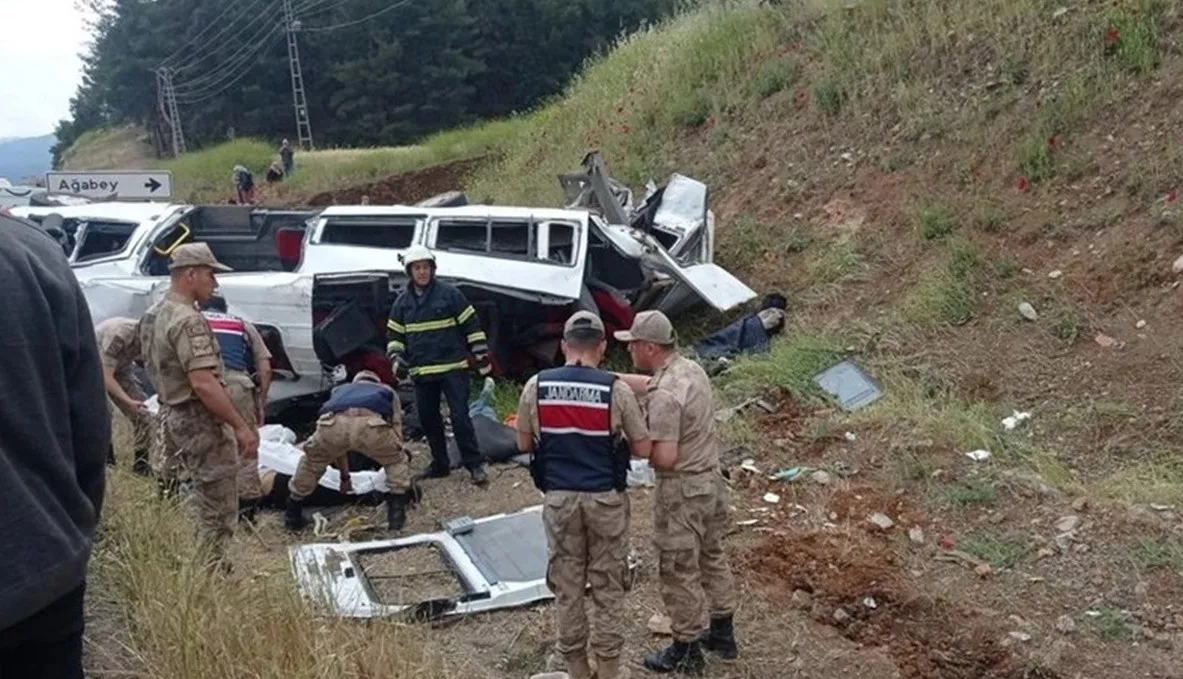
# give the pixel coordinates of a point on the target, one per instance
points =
(571, 419)
(184, 361)
(365, 416)
(119, 347)
(690, 510)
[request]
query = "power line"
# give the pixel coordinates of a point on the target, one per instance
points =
(357, 21)
(210, 92)
(244, 55)
(247, 9)
(310, 8)
(266, 17)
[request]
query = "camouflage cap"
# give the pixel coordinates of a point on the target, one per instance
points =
(649, 326)
(583, 325)
(195, 254)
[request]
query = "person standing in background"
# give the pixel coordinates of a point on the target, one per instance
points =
(55, 428)
(286, 157)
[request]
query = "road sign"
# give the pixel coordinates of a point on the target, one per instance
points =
(113, 184)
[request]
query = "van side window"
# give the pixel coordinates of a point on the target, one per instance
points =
(462, 235)
(371, 232)
(511, 237)
(506, 237)
(561, 248)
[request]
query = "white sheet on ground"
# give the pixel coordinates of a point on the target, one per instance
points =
(277, 452)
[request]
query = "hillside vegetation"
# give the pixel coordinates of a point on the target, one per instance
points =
(907, 173)
(374, 72)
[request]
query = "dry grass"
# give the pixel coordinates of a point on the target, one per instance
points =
(179, 620)
(115, 148)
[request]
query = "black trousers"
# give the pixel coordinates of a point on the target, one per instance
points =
(454, 387)
(48, 644)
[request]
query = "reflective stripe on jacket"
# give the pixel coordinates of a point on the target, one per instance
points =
(432, 333)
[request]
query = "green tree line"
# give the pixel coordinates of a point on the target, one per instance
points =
(376, 72)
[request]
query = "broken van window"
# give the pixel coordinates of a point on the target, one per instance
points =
(561, 247)
(510, 237)
(102, 239)
(463, 235)
(380, 232)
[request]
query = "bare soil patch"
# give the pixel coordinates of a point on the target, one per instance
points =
(410, 575)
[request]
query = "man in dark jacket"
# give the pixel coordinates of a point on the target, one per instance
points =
(54, 431)
(431, 331)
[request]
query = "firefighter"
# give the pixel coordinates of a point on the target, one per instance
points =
(431, 331)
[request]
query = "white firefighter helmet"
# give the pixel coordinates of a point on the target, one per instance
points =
(417, 253)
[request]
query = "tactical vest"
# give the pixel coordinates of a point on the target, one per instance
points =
(231, 334)
(377, 398)
(576, 449)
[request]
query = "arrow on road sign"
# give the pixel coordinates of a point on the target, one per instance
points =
(152, 184)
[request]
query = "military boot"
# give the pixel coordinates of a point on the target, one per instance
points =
(293, 515)
(140, 465)
(167, 488)
(247, 508)
(720, 638)
(577, 665)
(609, 668)
(396, 511)
(479, 476)
(681, 656)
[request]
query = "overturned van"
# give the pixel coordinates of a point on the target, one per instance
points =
(319, 283)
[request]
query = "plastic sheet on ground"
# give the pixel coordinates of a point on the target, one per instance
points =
(277, 452)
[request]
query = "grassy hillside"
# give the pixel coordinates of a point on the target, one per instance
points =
(205, 175)
(115, 148)
(907, 173)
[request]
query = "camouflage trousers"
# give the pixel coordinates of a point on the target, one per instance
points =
(358, 430)
(195, 444)
(587, 539)
(689, 522)
(141, 422)
(243, 394)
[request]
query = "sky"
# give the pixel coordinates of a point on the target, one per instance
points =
(39, 64)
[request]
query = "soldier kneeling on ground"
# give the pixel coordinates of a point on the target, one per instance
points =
(362, 416)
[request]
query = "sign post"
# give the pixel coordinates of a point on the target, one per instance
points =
(112, 184)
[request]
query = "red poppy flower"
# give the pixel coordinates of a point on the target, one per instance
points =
(1023, 184)
(1172, 195)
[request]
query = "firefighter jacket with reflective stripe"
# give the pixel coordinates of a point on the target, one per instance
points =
(232, 338)
(376, 398)
(431, 333)
(576, 448)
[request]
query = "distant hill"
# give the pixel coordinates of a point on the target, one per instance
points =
(27, 157)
